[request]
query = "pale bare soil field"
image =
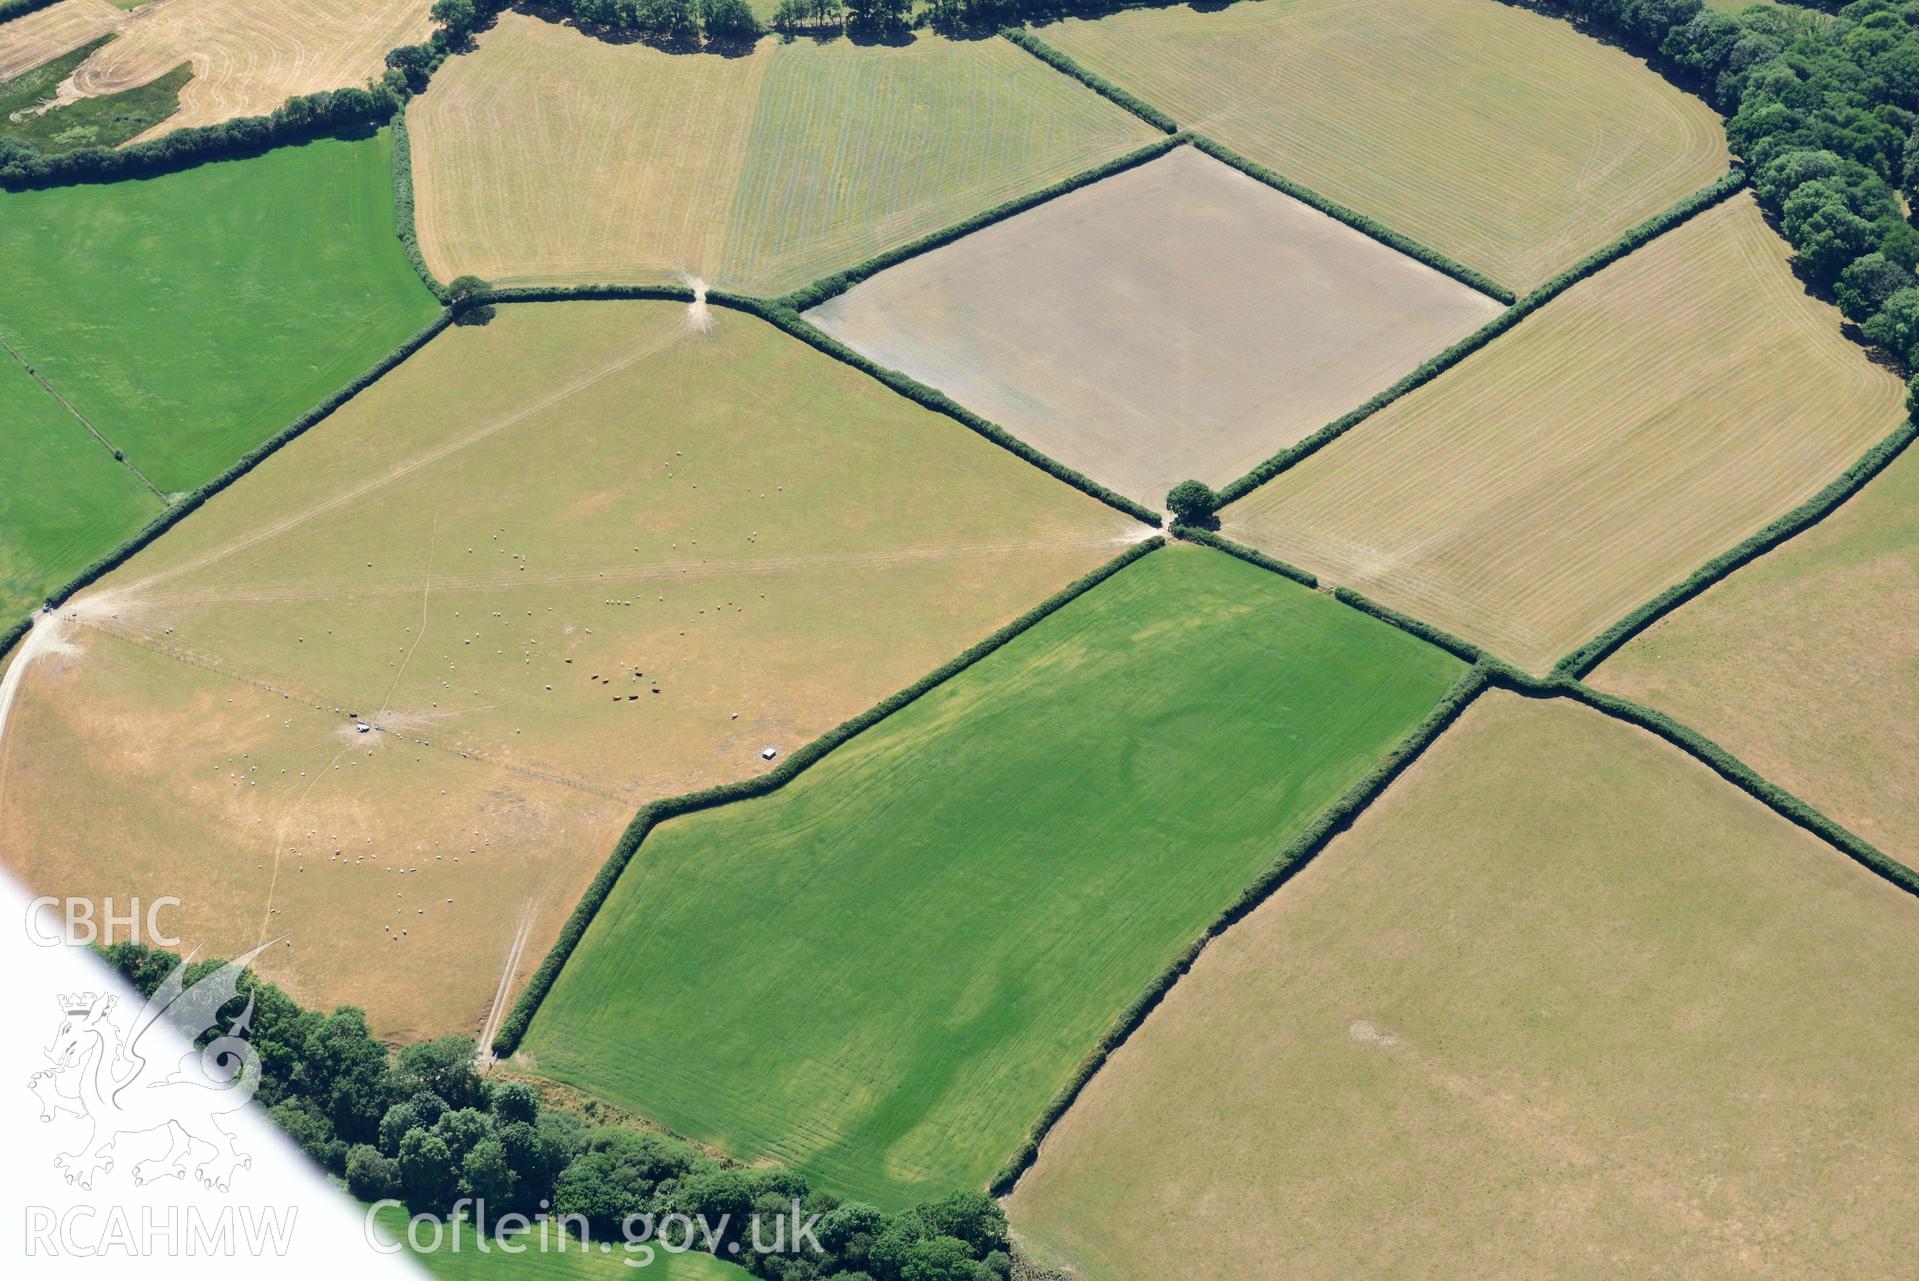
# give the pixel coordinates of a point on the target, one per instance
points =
(45, 34)
(248, 56)
(1562, 1003)
(1646, 419)
(1504, 139)
(552, 156)
(586, 556)
(1805, 663)
(1177, 320)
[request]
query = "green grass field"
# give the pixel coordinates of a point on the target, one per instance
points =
(1561, 1003)
(543, 1256)
(105, 121)
(1502, 138)
(65, 500)
(881, 973)
(191, 316)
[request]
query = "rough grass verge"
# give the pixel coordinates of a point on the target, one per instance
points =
(1803, 517)
(1298, 852)
(1097, 83)
(1359, 222)
(515, 1025)
(403, 205)
(1653, 227)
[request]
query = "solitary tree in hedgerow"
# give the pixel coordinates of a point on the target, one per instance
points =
(1192, 502)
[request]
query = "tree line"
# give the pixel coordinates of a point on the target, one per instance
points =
(426, 1128)
(1822, 111)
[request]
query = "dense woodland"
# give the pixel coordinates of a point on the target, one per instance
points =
(426, 1128)
(1821, 109)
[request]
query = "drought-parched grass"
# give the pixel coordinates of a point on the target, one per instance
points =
(1178, 320)
(1804, 663)
(1643, 421)
(583, 557)
(544, 1253)
(64, 501)
(248, 56)
(1502, 138)
(191, 316)
(881, 973)
(549, 155)
(1562, 1003)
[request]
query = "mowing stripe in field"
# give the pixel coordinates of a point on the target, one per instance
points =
(882, 973)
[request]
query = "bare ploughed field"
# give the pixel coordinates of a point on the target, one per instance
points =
(1176, 320)
(248, 56)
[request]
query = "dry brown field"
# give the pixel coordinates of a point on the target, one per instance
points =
(1805, 664)
(548, 155)
(1503, 138)
(1645, 420)
(1561, 1003)
(585, 556)
(1177, 320)
(248, 56)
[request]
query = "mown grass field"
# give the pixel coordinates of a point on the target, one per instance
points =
(36, 38)
(1562, 1003)
(544, 1257)
(549, 155)
(580, 558)
(65, 499)
(881, 973)
(1502, 138)
(1802, 665)
(248, 56)
(191, 316)
(1643, 421)
(1178, 320)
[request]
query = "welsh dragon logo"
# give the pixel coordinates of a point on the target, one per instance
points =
(102, 1078)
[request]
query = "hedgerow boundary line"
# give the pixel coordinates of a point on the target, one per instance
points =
(1636, 238)
(1583, 660)
(1292, 857)
(655, 812)
(1099, 84)
(1487, 671)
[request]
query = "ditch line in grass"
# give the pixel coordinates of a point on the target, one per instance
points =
(513, 1029)
(1099, 84)
(1583, 660)
(1296, 854)
(1637, 238)
(119, 455)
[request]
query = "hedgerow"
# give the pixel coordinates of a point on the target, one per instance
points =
(1412, 626)
(1742, 776)
(1097, 83)
(1807, 514)
(1298, 852)
(179, 508)
(20, 9)
(1691, 206)
(655, 812)
(1358, 221)
(1252, 556)
(840, 281)
(785, 318)
(300, 119)
(403, 205)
